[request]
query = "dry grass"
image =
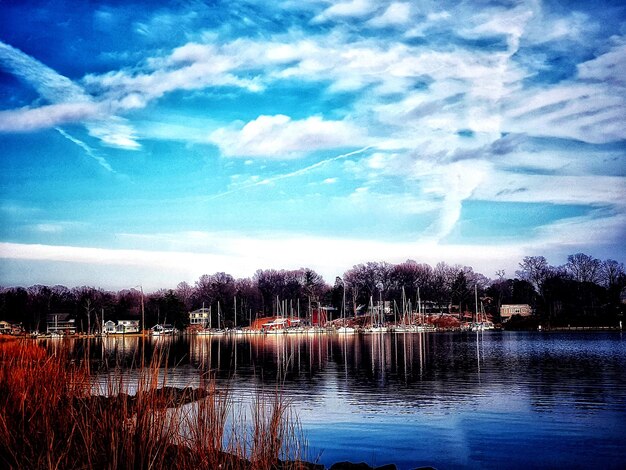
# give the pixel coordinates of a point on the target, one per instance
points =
(49, 419)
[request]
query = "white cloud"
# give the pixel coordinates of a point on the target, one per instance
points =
(592, 113)
(49, 228)
(56, 227)
(45, 117)
(370, 203)
(114, 132)
(189, 67)
(574, 27)
(349, 9)
(512, 23)
(240, 256)
(281, 137)
(191, 254)
(609, 67)
(396, 14)
(69, 103)
(53, 87)
(453, 183)
(555, 189)
(589, 232)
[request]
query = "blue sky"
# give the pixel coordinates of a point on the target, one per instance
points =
(149, 144)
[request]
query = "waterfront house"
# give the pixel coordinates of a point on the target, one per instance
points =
(122, 327)
(60, 323)
(5, 328)
(199, 317)
(128, 326)
(507, 311)
(110, 327)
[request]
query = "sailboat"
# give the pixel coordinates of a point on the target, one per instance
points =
(343, 329)
(480, 323)
(375, 326)
(162, 330)
(404, 327)
(209, 331)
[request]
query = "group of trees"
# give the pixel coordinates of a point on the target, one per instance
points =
(584, 289)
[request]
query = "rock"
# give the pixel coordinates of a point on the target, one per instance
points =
(298, 465)
(350, 466)
(360, 466)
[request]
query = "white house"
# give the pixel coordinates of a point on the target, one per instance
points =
(507, 311)
(199, 317)
(122, 327)
(5, 328)
(60, 323)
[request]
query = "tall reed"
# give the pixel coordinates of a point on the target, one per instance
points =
(52, 417)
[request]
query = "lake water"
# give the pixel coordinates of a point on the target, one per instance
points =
(449, 400)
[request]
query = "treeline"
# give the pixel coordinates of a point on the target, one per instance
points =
(583, 291)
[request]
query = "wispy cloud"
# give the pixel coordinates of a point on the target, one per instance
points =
(302, 171)
(68, 103)
(281, 137)
(348, 9)
(45, 117)
(189, 67)
(396, 14)
(88, 150)
(57, 227)
(53, 87)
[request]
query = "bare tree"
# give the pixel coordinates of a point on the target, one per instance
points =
(534, 269)
(611, 273)
(584, 268)
(185, 293)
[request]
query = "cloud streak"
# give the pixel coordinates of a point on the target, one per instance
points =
(300, 172)
(88, 150)
(68, 103)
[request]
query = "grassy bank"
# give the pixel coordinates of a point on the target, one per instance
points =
(50, 419)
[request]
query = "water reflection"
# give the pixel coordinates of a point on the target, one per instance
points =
(564, 394)
(455, 365)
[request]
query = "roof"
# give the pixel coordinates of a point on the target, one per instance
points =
(52, 317)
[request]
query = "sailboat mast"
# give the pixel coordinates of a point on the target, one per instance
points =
(419, 307)
(476, 301)
(403, 306)
(343, 305)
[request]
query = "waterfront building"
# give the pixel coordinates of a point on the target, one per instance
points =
(5, 328)
(508, 310)
(122, 327)
(199, 317)
(60, 323)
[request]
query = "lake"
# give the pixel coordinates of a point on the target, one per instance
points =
(449, 400)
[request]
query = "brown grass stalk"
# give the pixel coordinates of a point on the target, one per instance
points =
(51, 418)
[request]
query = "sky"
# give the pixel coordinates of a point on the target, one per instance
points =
(148, 143)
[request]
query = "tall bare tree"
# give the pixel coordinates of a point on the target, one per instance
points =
(612, 273)
(534, 269)
(584, 268)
